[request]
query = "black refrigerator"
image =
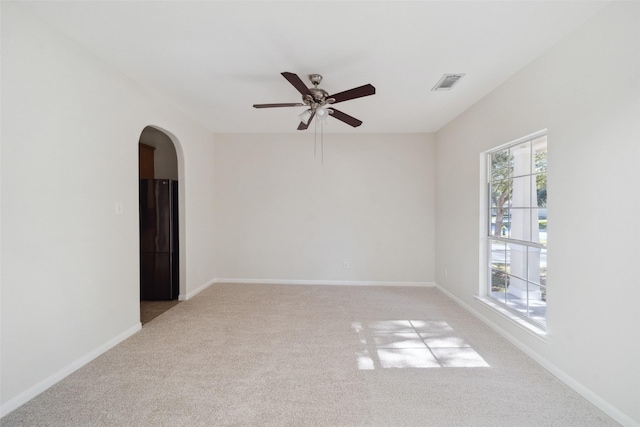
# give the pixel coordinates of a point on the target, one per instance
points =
(159, 274)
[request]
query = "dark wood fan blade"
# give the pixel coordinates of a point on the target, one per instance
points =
(289, 104)
(296, 82)
(356, 92)
(303, 126)
(351, 121)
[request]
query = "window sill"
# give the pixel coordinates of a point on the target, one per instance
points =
(531, 328)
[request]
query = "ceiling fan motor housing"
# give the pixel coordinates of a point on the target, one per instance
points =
(318, 94)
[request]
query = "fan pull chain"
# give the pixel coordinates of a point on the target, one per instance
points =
(315, 141)
(322, 143)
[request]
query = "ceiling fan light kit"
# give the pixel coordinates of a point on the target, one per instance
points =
(319, 101)
(305, 116)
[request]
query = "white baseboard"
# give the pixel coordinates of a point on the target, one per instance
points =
(38, 388)
(321, 282)
(300, 282)
(578, 387)
(191, 294)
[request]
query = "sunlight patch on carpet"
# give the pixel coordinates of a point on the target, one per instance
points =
(413, 344)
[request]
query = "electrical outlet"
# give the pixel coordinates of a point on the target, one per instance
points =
(119, 208)
(345, 264)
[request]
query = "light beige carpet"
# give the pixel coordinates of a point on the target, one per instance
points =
(272, 355)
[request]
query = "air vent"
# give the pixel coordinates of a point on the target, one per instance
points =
(447, 81)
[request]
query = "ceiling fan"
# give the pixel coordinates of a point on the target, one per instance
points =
(319, 101)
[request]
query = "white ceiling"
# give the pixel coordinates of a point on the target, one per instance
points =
(214, 59)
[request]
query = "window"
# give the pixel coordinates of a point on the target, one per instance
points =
(517, 228)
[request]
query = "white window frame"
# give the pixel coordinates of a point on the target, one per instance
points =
(485, 239)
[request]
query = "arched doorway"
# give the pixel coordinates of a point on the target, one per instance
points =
(159, 223)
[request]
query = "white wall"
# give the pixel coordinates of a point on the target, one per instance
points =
(70, 275)
(586, 91)
(282, 215)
